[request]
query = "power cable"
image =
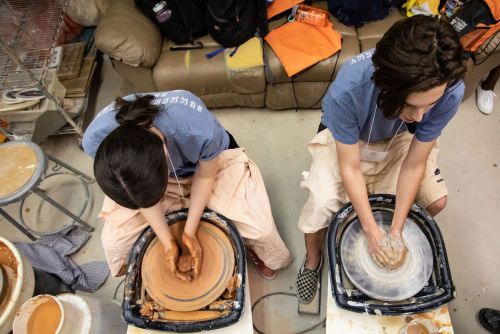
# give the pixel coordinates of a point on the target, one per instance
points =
(308, 329)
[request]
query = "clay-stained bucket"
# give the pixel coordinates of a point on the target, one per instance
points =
(40, 314)
(79, 314)
(21, 285)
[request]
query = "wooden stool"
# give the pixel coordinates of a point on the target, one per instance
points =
(23, 167)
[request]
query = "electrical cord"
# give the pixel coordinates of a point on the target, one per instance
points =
(488, 55)
(117, 288)
(308, 329)
(325, 91)
(321, 323)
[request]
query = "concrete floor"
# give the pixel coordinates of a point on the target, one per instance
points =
(276, 140)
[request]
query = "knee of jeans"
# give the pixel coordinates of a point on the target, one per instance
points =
(438, 205)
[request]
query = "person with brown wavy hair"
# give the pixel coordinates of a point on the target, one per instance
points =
(382, 117)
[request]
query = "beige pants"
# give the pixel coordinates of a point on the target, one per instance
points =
(326, 190)
(239, 194)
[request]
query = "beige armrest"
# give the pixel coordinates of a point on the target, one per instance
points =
(125, 34)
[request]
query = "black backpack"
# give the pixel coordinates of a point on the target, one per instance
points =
(233, 22)
(185, 23)
(357, 12)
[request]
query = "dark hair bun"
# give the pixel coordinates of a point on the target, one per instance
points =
(140, 111)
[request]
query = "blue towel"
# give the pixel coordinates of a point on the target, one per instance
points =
(51, 254)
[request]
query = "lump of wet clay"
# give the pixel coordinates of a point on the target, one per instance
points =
(393, 253)
(216, 271)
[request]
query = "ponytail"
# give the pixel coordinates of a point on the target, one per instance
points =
(140, 111)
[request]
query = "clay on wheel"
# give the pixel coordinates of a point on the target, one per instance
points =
(216, 271)
(379, 283)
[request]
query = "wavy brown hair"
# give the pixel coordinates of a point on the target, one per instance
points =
(415, 55)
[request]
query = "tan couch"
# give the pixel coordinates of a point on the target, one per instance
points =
(143, 57)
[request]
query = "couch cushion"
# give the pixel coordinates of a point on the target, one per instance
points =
(322, 71)
(128, 36)
(141, 77)
(225, 100)
(306, 95)
(205, 41)
(487, 49)
(370, 33)
(191, 70)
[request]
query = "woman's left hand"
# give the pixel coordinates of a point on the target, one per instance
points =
(395, 250)
(195, 252)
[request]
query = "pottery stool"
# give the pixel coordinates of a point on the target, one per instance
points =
(23, 167)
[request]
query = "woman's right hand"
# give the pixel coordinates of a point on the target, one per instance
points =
(375, 235)
(388, 250)
(171, 257)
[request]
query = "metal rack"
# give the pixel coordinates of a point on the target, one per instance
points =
(29, 31)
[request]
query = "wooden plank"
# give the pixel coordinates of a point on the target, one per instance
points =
(314, 307)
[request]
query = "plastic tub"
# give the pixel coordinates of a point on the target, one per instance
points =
(21, 321)
(23, 287)
(80, 314)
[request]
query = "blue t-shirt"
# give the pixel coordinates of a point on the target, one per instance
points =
(191, 131)
(350, 104)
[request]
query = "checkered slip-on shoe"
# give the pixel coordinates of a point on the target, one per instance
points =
(307, 282)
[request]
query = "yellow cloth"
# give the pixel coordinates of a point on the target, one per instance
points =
(248, 55)
(421, 6)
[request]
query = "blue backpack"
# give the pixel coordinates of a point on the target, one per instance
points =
(357, 12)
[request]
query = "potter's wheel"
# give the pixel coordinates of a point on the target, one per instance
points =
(380, 283)
(217, 268)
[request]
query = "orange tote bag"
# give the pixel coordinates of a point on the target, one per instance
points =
(299, 45)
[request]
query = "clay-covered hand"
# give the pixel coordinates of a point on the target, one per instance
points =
(195, 251)
(375, 236)
(393, 251)
(184, 264)
(171, 257)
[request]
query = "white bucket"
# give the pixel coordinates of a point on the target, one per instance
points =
(23, 288)
(81, 314)
(22, 319)
(106, 314)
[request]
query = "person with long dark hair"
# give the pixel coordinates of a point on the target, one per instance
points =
(381, 120)
(156, 153)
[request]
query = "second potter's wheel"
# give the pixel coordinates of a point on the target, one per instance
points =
(380, 283)
(216, 271)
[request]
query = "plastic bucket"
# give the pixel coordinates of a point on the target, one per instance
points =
(27, 318)
(23, 285)
(87, 314)
(80, 314)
